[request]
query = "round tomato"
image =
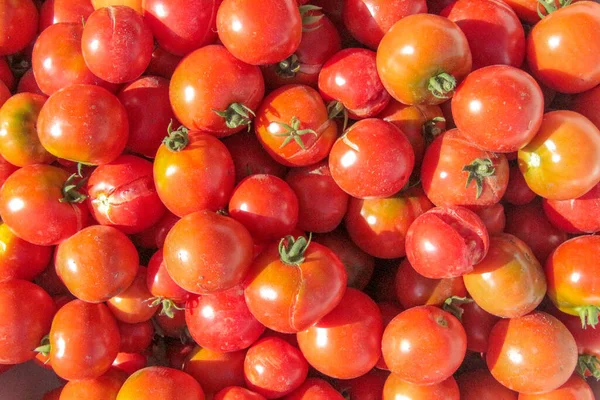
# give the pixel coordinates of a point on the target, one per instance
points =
(478, 324)
(160, 382)
(4, 93)
(6, 74)
(162, 63)
(57, 11)
(20, 259)
(134, 4)
(576, 388)
(366, 387)
(517, 191)
(154, 237)
(580, 215)
(481, 385)
(134, 304)
(100, 388)
(315, 388)
(587, 104)
(135, 338)
(215, 370)
(397, 388)
(159, 282)
(237, 393)
(493, 217)
(19, 23)
(28, 84)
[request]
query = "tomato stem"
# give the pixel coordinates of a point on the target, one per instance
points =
(309, 18)
(588, 365)
(442, 85)
(176, 140)
(431, 129)
(70, 189)
(236, 115)
(453, 306)
(289, 67)
(588, 315)
(293, 132)
(44, 347)
(336, 109)
(291, 251)
(168, 306)
(478, 170)
(551, 6)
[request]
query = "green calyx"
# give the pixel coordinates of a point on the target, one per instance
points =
(288, 68)
(453, 306)
(431, 129)
(336, 109)
(44, 347)
(236, 115)
(293, 132)
(308, 17)
(168, 306)
(70, 189)
(588, 365)
(478, 170)
(442, 86)
(588, 316)
(551, 6)
(176, 140)
(291, 251)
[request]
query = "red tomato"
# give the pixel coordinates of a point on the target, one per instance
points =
(27, 83)
(213, 91)
(531, 354)
(4, 93)
(576, 388)
(130, 362)
(397, 388)
(214, 370)
(274, 368)
(492, 216)
(6, 74)
(422, 58)
(57, 11)
(315, 389)
(19, 25)
(366, 387)
(237, 393)
(101, 388)
(478, 324)
(6, 170)
(206, 252)
(481, 385)
(517, 191)
(51, 283)
(587, 104)
(160, 283)
(507, 100)
(20, 259)
(154, 237)
(134, 4)
(134, 304)
(97, 263)
(160, 382)
(580, 215)
(135, 338)
(346, 343)
(25, 317)
(173, 325)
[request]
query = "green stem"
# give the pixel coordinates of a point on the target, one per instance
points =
(453, 305)
(178, 139)
(289, 67)
(442, 85)
(291, 251)
(236, 115)
(588, 365)
(336, 109)
(44, 347)
(431, 129)
(293, 132)
(70, 189)
(588, 315)
(479, 169)
(551, 6)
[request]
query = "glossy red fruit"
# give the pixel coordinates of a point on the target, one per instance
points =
(237, 393)
(134, 304)
(56, 11)
(587, 104)
(315, 388)
(150, 382)
(517, 191)
(154, 237)
(27, 83)
(481, 385)
(162, 63)
(576, 388)
(366, 387)
(396, 387)
(580, 215)
(6, 75)
(135, 338)
(19, 25)
(478, 324)
(20, 259)
(493, 217)
(215, 370)
(160, 283)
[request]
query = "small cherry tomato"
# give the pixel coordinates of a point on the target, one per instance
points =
(159, 282)
(214, 370)
(397, 388)
(315, 388)
(478, 324)
(154, 237)
(135, 338)
(19, 25)
(517, 191)
(103, 387)
(366, 387)
(134, 304)
(481, 385)
(20, 259)
(160, 382)
(587, 104)
(56, 11)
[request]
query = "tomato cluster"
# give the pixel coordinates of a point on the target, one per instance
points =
(301, 199)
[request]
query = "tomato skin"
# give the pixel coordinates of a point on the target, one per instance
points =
(366, 387)
(210, 79)
(28, 84)
(576, 388)
(315, 389)
(6, 170)
(478, 324)
(568, 168)
(580, 215)
(6, 74)
(167, 383)
(36, 190)
(154, 237)
(517, 191)
(346, 343)
(438, 45)
(133, 4)
(97, 263)
(25, 317)
(53, 394)
(4, 93)
(373, 159)
(160, 283)
(20, 259)
(135, 338)
(587, 104)
(397, 388)
(481, 385)
(162, 63)
(19, 25)
(206, 252)
(134, 304)
(350, 77)
(221, 321)
(57, 11)
(204, 168)
(237, 393)
(214, 370)
(241, 28)
(104, 387)
(274, 357)
(558, 51)
(531, 354)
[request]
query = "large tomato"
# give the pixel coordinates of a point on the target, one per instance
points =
(20, 259)
(160, 382)
(18, 24)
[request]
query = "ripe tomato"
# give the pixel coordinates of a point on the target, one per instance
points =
(478, 324)
(587, 104)
(134, 4)
(206, 252)
(397, 388)
(492, 216)
(451, 161)
(173, 325)
(135, 338)
(517, 191)
(315, 388)
(481, 385)
(215, 370)
(84, 123)
(562, 162)
(20, 259)
(162, 63)
(274, 368)
(198, 163)
(531, 354)
(241, 28)
(6, 74)
(509, 282)
(373, 159)
(576, 388)
(559, 53)
(6, 170)
(27, 83)
(346, 343)
(19, 25)
(160, 382)
(160, 283)
(104, 387)
(4, 93)
(130, 362)
(580, 215)
(154, 237)
(213, 91)
(38, 190)
(366, 387)
(134, 304)
(422, 58)
(25, 317)
(293, 126)
(97, 263)
(57, 11)
(237, 393)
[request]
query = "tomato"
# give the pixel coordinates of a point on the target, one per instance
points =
(531, 354)
(27, 83)
(293, 126)
(57, 11)
(134, 4)
(130, 362)
(6, 74)
(492, 216)
(237, 393)
(366, 387)
(562, 162)
(19, 143)
(160, 382)
(134, 304)
(274, 368)
(147, 129)
(349, 78)
(193, 172)
(389, 310)
(6, 170)
(397, 388)
(51, 283)
(104, 387)
(478, 324)
(413, 289)
(315, 388)
(373, 159)
(587, 104)
(221, 321)
(517, 191)
(559, 53)
(451, 161)
(160, 283)
(508, 101)
(481, 385)
(580, 215)
(97, 263)
(20, 259)
(576, 388)
(421, 59)
(19, 25)
(213, 91)
(379, 226)
(135, 338)
(183, 26)
(215, 370)
(173, 325)
(493, 30)
(154, 237)
(4, 93)
(25, 317)
(206, 252)
(241, 28)
(527, 10)
(509, 282)
(38, 190)
(346, 343)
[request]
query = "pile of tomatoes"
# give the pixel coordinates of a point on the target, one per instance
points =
(327, 199)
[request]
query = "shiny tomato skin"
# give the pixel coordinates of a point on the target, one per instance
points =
(315, 389)
(20, 259)
(241, 28)
(160, 283)
(37, 190)
(135, 338)
(346, 343)
(505, 99)
(173, 327)
(478, 324)
(517, 191)
(531, 354)
(27, 83)
(237, 393)
(481, 385)
(559, 53)
(373, 159)
(350, 77)
(130, 362)
(576, 388)
(397, 388)
(580, 215)
(134, 304)
(6, 170)
(215, 370)
(379, 226)
(206, 252)
(211, 79)
(160, 382)
(204, 169)
(104, 387)
(562, 162)
(56, 11)
(134, 4)
(84, 340)
(493, 217)
(437, 45)
(97, 263)
(25, 317)
(154, 237)
(19, 25)
(587, 104)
